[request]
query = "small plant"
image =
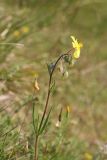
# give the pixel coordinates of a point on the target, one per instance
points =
(40, 123)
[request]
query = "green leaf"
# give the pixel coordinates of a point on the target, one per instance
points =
(45, 122)
(35, 121)
(52, 88)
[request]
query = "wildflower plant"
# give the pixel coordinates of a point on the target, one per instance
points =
(40, 123)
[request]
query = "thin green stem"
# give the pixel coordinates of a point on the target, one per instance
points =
(50, 80)
(33, 115)
(36, 147)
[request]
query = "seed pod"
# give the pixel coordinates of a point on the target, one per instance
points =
(66, 74)
(61, 67)
(36, 85)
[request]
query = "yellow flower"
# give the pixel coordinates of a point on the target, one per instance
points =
(16, 34)
(88, 156)
(25, 29)
(77, 46)
(68, 109)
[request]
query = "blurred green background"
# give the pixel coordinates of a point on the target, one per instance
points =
(32, 34)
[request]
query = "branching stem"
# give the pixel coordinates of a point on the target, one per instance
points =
(47, 101)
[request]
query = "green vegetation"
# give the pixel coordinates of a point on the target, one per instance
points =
(33, 34)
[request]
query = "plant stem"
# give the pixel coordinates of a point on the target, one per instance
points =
(47, 102)
(36, 147)
(50, 80)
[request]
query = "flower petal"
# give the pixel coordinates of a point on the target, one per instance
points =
(77, 54)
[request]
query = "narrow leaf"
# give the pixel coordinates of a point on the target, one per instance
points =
(45, 122)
